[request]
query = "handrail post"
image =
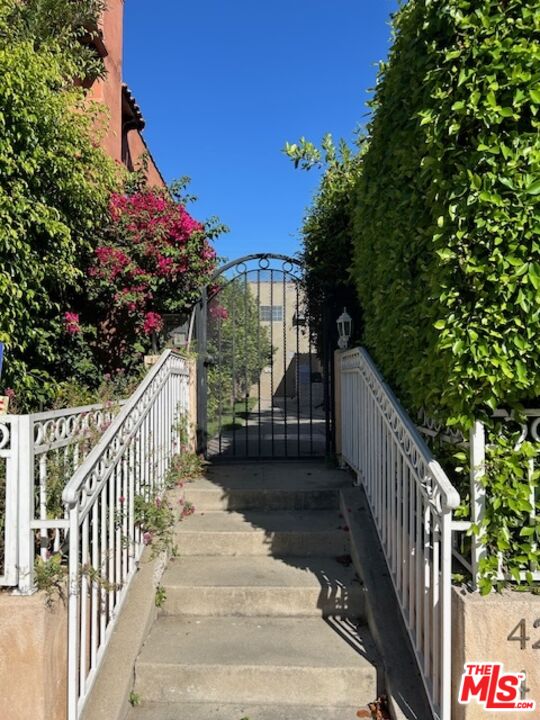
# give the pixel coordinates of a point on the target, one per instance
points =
(446, 614)
(202, 365)
(478, 494)
(26, 551)
(73, 613)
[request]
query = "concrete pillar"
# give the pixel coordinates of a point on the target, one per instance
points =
(33, 658)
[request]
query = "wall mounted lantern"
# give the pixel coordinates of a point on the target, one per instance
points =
(344, 324)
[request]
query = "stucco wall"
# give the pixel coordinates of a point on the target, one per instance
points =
(480, 628)
(109, 89)
(137, 149)
(33, 658)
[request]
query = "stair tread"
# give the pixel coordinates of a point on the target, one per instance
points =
(271, 521)
(269, 642)
(225, 711)
(267, 478)
(260, 571)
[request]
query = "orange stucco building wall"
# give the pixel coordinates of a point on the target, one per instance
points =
(122, 139)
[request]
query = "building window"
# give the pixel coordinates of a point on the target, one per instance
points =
(271, 313)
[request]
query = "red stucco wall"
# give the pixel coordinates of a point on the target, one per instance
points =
(137, 148)
(109, 92)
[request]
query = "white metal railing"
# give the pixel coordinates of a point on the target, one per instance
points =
(105, 543)
(9, 457)
(411, 501)
(468, 547)
(38, 455)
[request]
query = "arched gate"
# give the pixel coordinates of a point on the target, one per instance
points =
(262, 390)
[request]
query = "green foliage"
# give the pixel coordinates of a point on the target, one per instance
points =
(447, 257)
(156, 518)
(51, 207)
(510, 527)
(71, 25)
(238, 344)
(160, 596)
(51, 577)
(134, 699)
(327, 235)
(446, 231)
(443, 209)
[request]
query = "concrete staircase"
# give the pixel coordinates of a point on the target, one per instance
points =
(264, 614)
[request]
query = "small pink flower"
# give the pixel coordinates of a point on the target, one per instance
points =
(71, 323)
(121, 499)
(147, 538)
(158, 502)
(152, 322)
(9, 392)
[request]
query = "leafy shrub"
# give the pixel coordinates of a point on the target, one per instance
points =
(51, 208)
(447, 255)
(153, 260)
(445, 225)
(327, 236)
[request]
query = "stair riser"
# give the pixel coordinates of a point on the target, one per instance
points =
(263, 602)
(324, 544)
(262, 684)
(204, 711)
(261, 500)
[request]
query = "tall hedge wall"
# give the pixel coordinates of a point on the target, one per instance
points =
(447, 220)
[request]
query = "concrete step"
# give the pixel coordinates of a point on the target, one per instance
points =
(209, 711)
(262, 586)
(280, 492)
(318, 533)
(288, 661)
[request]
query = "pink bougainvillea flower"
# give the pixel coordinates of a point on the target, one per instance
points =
(153, 322)
(218, 312)
(71, 323)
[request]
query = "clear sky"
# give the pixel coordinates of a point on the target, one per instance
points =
(224, 83)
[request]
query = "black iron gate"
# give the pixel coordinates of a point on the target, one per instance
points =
(262, 390)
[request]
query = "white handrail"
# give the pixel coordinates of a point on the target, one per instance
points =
(39, 452)
(411, 501)
(71, 490)
(131, 460)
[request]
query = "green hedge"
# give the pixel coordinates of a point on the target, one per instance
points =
(54, 184)
(447, 222)
(327, 237)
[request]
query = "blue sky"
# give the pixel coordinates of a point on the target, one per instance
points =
(224, 83)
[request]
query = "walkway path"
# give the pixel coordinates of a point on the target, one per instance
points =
(264, 614)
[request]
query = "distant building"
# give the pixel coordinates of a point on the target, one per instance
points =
(294, 371)
(123, 140)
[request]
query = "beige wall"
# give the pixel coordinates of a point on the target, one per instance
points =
(33, 658)
(480, 628)
(286, 345)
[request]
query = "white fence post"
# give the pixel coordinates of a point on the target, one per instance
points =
(9, 456)
(478, 493)
(26, 551)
